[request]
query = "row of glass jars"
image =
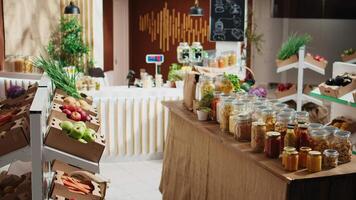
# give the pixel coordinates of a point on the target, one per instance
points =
(190, 54)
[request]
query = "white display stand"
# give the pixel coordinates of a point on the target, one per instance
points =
(301, 65)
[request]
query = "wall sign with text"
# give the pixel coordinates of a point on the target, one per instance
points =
(227, 20)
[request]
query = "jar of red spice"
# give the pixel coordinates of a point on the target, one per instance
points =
(273, 144)
(214, 105)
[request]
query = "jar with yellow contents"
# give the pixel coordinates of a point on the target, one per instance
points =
(207, 86)
(303, 154)
(284, 154)
(292, 161)
(314, 161)
(225, 112)
(281, 126)
(269, 118)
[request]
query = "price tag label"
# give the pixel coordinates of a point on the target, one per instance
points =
(154, 58)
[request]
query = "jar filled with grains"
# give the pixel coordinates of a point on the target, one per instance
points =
(243, 127)
(330, 159)
(258, 135)
(342, 144)
(269, 118)
(225, 112)
(319, 140)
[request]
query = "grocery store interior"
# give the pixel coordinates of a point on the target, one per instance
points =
(177, 100)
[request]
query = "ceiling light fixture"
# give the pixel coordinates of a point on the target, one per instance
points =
(196, 10)
(71, 9)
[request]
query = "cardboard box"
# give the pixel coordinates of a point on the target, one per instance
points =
(56, 112)
(15, 138)
(88, 99)
(346, 58)
(59, 98)
(310, 59)
(290, 60)
(55, 138)
(285, 93)
(59, 189)
(337, 91)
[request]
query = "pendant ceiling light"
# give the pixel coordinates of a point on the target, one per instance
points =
(196, 10)
(72, 9)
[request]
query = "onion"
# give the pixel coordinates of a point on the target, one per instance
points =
(15, 91)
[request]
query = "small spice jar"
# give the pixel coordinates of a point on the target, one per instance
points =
(225, 112)
(258, 135)
(243, 127)
(303, 154)
(281, 126)
(292, 161)
(269, 118)
(284, 154)
(342, 144)
(330, 159)
(314, 161)
(302, 136)
(273, 144)
(319, 140)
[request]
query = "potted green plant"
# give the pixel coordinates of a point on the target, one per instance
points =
(348, 54)
(174, 74)
(66, 45)
(289, 50)
(204, 106)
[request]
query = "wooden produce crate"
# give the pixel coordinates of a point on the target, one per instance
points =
(57, 139)
(310, 59)
(14, 138)
(346, 58)
(290, 60)
(56, 112)
(88, 99)
(60, 189)
(59, 98)
(337, 91)
(285, 93)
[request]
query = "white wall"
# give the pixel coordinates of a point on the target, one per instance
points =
(330, 38)
(98, 33)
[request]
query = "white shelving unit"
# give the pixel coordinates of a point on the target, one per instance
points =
(301, 65)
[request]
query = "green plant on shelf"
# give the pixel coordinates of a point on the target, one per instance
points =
(292, 45)
(349, 52)
(174, 73)
(206, 101)
(66, 44)
(235, 80)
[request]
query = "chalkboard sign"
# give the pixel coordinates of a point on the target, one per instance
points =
(227, 20)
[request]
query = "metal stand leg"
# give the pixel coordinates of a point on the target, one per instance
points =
(36, 152)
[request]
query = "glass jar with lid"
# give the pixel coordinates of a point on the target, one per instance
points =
(303, 155)
(290, 138)
(314, 161)
(281, 126)
(225, 112)
(196, 52)
(248, 105)
(331, 130)
(226, 86)
(280, 106)
(330, 158)
(240, 95)
(272, 144)
(213, 62)
(302, 136)
(222, 99)
(257, 113)
(271, 102)
(301, 117)
(243, 127)
(222, 61)
(258, 135)
(232, 58)
(214, 105)
(239, 107)
(183, 53)
(319, 140)
(314, 126)
(207, 86)
(262, 99)
(269, 118)
(292, 161)
(342, 144)
(284, 154)
(289, 111)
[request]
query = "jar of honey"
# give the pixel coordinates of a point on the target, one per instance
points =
(284, 154)
(303, 154)
(292, 161)
(273, 144)
(314, 161)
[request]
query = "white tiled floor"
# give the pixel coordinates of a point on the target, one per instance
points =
(136, 180)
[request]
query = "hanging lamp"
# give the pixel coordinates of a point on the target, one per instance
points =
(71, 9)
(196, 10)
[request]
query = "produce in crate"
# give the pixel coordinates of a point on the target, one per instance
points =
(78, 131)
(284, 86)
(15, 91)
(75, 113)
(342, 80)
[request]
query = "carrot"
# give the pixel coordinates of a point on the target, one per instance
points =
(76, 191)
(76, 181)
(70, 184)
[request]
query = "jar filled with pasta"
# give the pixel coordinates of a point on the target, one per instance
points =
(269, 118)
(330, 158)
(243, 128)
(319, 140)
(314, 161)
(272, 144)
(248, 105)
(342, 144)
(284, 154)
(223, 98)
(232, 122)
(292, 161)
(303, 154)
(226, 86)
(225, 112)
(258, 135)
(281, 126)
(207, 86)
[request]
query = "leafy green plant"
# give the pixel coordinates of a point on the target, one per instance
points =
(349, 52)
(67, 46)
(206, 101)
(234, 79)
(292, 45)
(59, 77)
(205, 109)
(174, 72)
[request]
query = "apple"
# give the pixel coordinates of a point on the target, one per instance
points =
(89, 135)
(77, 131)
(80, 123)
(66, 126)
(75, 116)
(67, 112)
(82, 141)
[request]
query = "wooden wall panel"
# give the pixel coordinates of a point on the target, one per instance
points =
(159, 26)
(2, 36)
(108, 35)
